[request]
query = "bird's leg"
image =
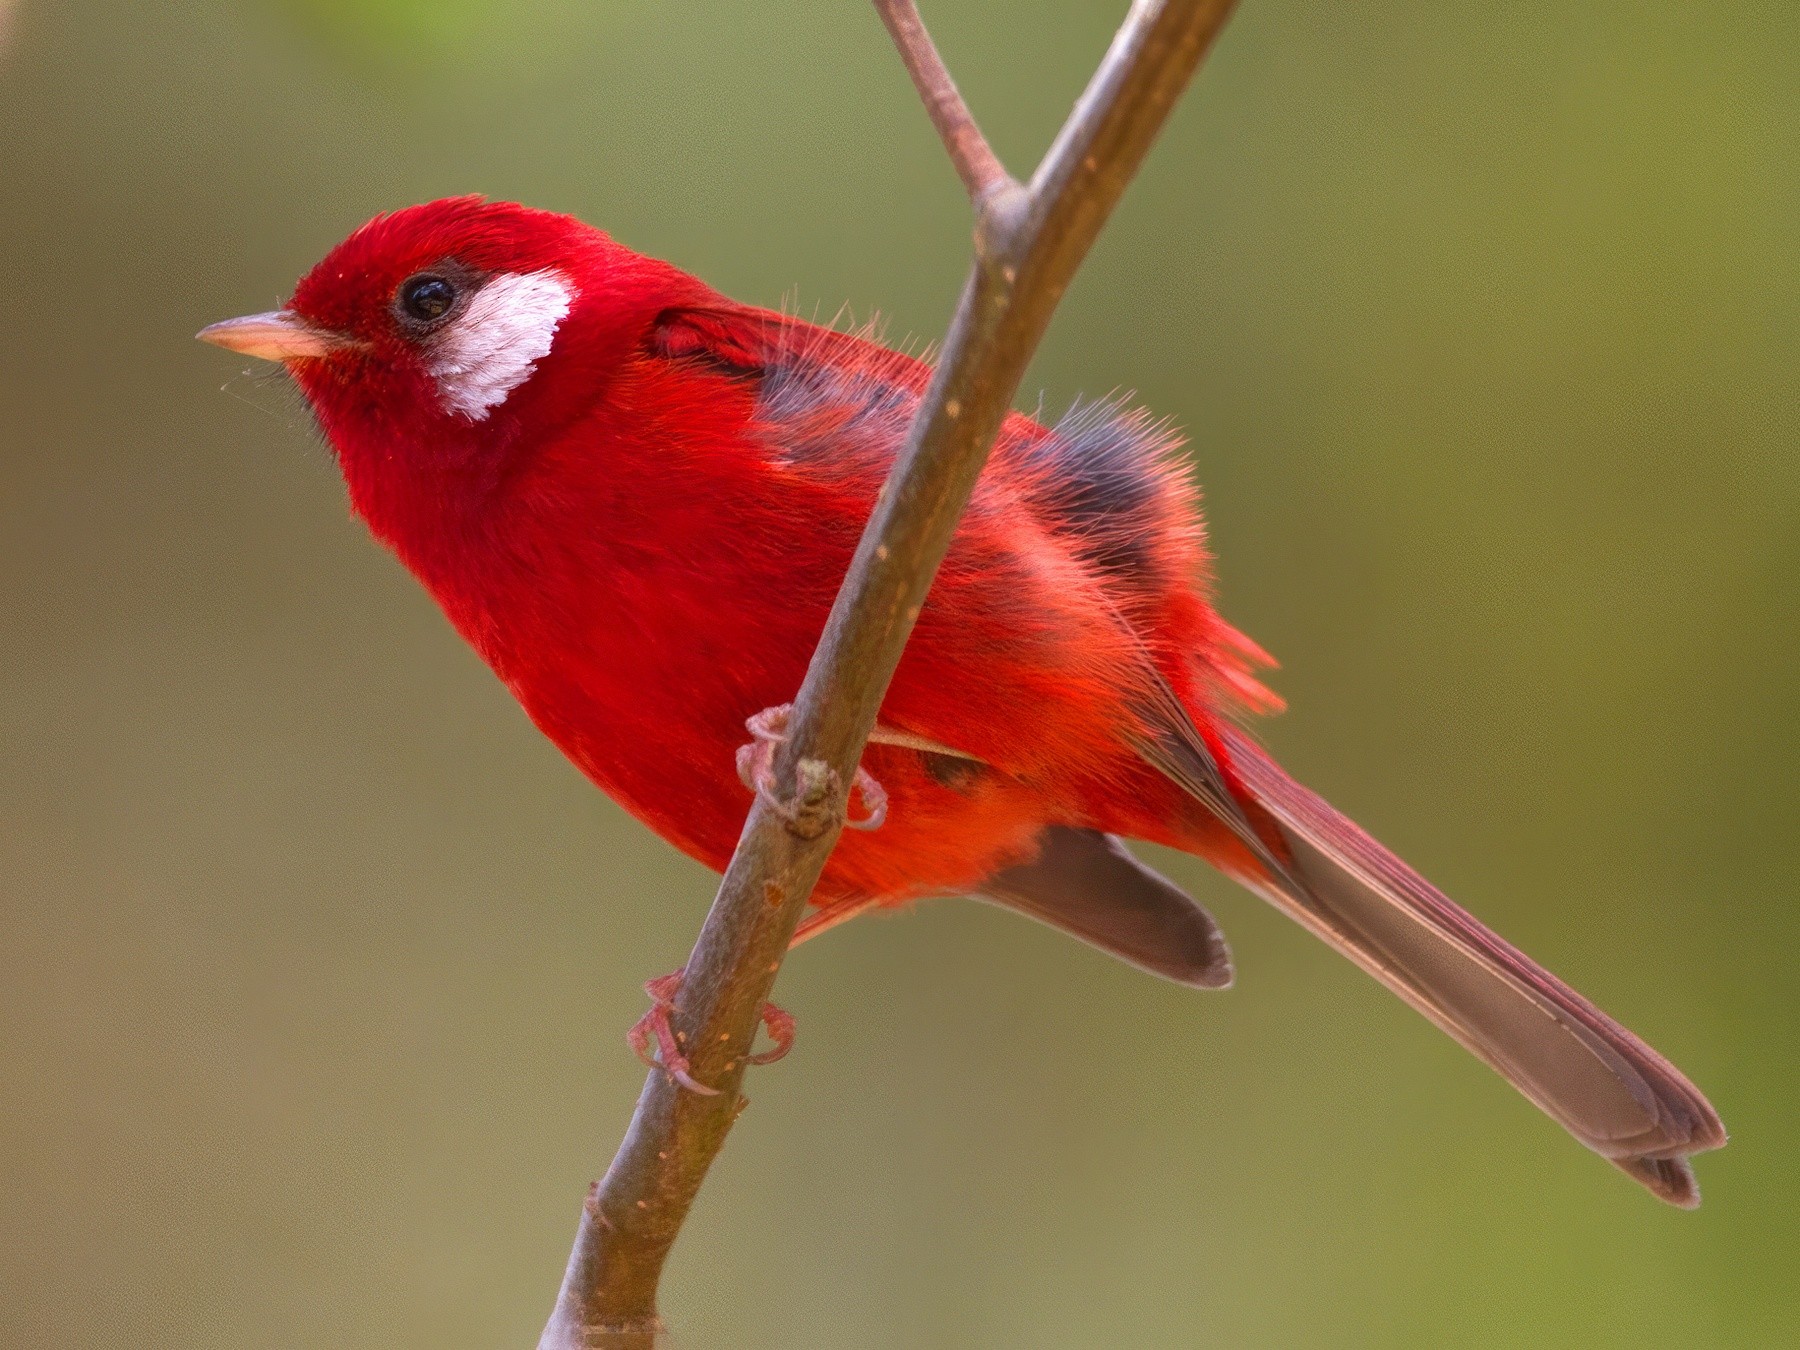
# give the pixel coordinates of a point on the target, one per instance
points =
(654, 1025)
(756, 767)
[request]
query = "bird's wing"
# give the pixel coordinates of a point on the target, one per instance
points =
(1027, 624)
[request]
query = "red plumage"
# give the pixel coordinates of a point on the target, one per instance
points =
(637, 499)
(650, 565)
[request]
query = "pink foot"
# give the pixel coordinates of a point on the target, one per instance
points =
(756, 767)
(779, 1023)
(654, 1025)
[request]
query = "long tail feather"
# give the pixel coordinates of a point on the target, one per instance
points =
(1604, 1085)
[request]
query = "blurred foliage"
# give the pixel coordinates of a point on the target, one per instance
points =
(315, 960)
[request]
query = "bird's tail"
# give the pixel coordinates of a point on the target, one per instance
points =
(1604, 1085)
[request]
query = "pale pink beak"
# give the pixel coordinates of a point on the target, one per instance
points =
(280, 335)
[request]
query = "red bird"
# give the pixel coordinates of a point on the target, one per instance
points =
(636, 498)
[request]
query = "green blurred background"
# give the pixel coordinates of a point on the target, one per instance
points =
(315, 959)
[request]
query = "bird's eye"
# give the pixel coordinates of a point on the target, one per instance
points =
(426, 298)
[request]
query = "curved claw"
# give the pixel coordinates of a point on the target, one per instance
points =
(655, 1023)
(654, 1026)
(780, 1024)
(756, 763)
(770, 725)
(874, 800)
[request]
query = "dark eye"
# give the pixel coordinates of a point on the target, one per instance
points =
(426, 297)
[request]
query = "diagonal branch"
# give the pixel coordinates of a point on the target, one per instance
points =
(1029, 240)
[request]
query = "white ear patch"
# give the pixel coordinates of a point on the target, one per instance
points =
(491, 348)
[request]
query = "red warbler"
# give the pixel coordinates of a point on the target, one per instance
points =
(636, 498)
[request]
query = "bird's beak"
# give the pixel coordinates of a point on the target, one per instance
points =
(280, 335)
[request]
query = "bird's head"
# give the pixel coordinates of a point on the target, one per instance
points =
(438, 342)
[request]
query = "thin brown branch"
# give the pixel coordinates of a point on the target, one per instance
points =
(980, 168)
(1029, 242)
